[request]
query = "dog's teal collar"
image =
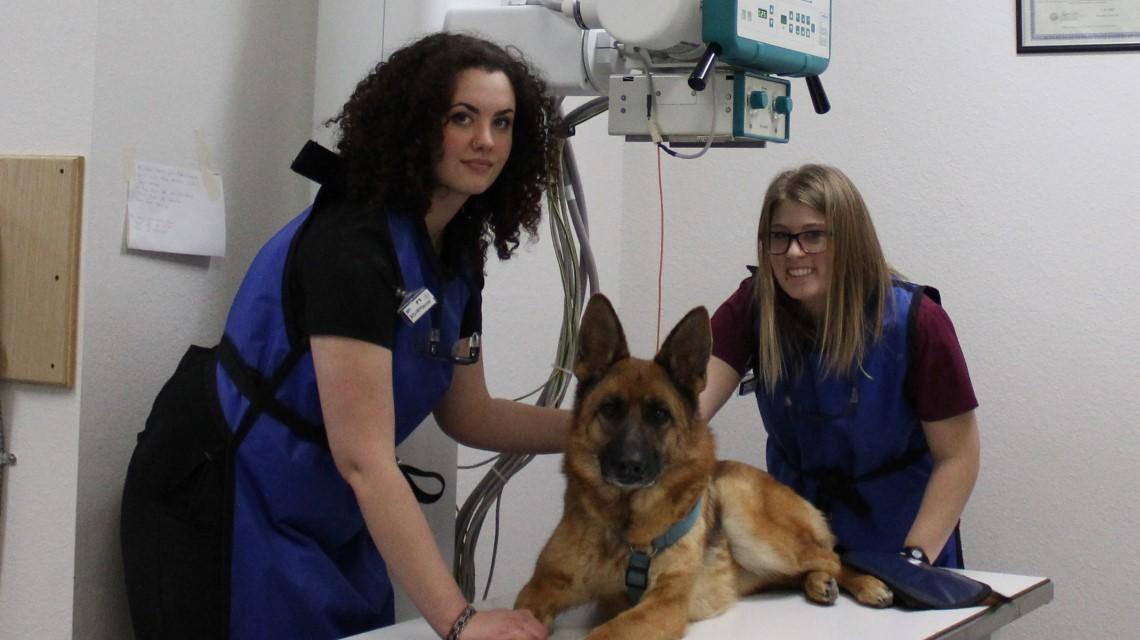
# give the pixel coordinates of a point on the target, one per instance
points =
(637, 571)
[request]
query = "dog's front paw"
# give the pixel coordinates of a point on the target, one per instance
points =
(545, 615)
(821, 587)
(607, 632)
(529, 600)
(873, 592)
(547, 620)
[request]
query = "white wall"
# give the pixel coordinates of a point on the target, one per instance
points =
(1006, 181)
(94, 79)
(45, 97)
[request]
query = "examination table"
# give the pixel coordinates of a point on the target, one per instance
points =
(788, 615)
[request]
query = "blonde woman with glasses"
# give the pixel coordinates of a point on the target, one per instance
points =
(859, 377)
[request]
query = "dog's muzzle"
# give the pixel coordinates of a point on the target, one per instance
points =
(628, 464)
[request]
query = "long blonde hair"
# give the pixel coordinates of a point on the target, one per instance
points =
(857, 295)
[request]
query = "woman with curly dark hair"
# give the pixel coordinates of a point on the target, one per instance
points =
(264, 498)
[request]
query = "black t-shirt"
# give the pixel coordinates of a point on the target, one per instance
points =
(344, 276)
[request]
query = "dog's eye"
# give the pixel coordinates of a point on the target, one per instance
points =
(612, 409)
(656, 415)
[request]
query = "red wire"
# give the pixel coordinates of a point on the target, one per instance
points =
(661, 249)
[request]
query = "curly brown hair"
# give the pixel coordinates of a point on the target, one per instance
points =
(391, 134)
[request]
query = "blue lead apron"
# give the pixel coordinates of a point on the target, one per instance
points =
(302, 564)
(853, 444)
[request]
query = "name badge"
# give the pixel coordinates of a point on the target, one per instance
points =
(416, 304)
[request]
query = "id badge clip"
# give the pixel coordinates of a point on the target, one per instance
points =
(748, 384)
(415, 304)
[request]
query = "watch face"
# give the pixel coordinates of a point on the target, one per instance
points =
(916, 554)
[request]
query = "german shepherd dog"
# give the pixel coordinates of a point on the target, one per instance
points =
(639, 459)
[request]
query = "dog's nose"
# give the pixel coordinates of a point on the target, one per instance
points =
(630, 466)
(631, 469)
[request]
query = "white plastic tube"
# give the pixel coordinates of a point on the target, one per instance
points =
(658, 25)
(584, 12)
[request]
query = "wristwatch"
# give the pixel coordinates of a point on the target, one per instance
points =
(915, 554)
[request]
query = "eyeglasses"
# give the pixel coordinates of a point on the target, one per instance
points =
(811, 241)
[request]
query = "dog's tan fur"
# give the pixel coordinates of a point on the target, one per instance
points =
(753, 533)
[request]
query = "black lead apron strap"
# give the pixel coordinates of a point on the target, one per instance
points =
(261, 393)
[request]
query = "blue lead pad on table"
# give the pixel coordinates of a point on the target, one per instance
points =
(917, 585)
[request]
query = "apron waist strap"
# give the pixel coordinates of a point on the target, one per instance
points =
(422, 496)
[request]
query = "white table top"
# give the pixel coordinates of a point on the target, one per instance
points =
(787, 614)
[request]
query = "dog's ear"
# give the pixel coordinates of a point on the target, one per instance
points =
(685, 354)
(601, 341)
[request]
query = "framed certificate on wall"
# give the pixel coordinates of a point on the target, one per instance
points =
(1054, 26)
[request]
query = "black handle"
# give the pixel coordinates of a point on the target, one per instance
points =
(818, 97)
(700, 75)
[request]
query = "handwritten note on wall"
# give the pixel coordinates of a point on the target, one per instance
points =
(171, 209)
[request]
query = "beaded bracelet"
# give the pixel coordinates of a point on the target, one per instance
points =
(460, 622)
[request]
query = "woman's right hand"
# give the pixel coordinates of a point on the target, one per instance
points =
(504, 624)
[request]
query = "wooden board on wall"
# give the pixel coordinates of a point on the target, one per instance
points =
(41, 198)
